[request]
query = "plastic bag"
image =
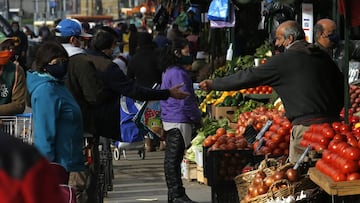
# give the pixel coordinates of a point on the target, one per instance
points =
(219, 10)
(224, 24)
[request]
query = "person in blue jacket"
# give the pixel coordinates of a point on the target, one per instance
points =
(179, 117)
(58, 127)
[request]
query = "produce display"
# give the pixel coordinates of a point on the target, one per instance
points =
(258, 90)
(267, 181)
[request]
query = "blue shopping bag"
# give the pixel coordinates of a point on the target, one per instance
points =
(219, 10)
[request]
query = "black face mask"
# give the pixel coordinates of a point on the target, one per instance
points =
(334, 38)
(280, 48)
(57, 70)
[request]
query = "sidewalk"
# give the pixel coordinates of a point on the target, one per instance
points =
(139, 180)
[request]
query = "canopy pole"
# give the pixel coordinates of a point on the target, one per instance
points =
(347, 17)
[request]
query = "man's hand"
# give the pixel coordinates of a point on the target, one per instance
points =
(177, 93)
(206, 85)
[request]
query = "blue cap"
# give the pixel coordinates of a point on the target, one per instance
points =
(70, 27)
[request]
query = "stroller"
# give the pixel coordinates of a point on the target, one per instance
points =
(132, 137)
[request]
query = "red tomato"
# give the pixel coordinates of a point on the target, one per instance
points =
(336, 126)
(353, 119)
(274, 127)
(286, 125)
(328, 133)
(338, 177)
(268, 134)
(339, 137)
(352, 153)
(277, 137)
(344, 128)
(351, 140)
(353, 176)
(349, 166)
(282, 131)
(326, 156)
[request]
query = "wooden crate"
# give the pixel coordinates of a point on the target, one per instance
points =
(334, 188)
(188, 170)
(200, 175)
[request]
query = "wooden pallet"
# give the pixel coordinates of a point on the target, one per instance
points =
(334, 188)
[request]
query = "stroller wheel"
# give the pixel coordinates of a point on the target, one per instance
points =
(141, 154)
(116, 154)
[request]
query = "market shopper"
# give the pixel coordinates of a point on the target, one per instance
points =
(179, 118)
(56, 114)
(82, 82)
(307, 80)
(325, 35)
(12, 81)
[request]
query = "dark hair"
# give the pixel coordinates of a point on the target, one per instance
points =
(318, 29)
(102, 40)
(48, 51)
(169, 58)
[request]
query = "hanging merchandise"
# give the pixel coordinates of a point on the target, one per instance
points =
(224, 24)
(219, 10)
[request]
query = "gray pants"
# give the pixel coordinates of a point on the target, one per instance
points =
(296, 150)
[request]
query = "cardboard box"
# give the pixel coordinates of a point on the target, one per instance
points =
(200, 175)
(188, 170)
(199, 156)
(223, 112)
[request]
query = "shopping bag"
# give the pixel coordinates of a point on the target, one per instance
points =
(128, 129)
(224, 24)
(148, 118)
(219, 10)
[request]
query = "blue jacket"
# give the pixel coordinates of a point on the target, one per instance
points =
(177, 110)
(58, 127)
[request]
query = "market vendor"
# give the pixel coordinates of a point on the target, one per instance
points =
(306, 79)
(325, 35)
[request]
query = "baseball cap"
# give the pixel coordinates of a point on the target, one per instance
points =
(70, 27)
(3, 38)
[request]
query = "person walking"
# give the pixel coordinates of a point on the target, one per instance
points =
(298, 76)
(179, 118)
(12, 81)
(56, 115)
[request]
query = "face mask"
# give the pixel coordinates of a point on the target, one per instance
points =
(334, 38)
(186, 60)
(5, 57)
(280, 48)
(57, 70)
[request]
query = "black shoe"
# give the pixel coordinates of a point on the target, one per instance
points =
(182, 199)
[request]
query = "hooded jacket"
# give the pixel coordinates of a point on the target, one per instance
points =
(307, 80)
(58, 128)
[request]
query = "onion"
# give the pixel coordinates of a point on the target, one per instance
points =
(258, 181)
(260, 174)
(269, 181)
(278, 175)
(262, 189)
(292, 175)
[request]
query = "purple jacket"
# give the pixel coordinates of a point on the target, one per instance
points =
(177, 110)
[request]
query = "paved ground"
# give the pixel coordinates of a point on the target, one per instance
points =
(143, 181)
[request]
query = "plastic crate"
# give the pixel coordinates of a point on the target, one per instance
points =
(221, 167)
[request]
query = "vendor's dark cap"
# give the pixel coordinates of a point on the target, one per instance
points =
(70, 27)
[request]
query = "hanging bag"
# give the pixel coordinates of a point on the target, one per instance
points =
(219, 10)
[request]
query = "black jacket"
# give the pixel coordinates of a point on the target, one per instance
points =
(307, 80)
(116, 83)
